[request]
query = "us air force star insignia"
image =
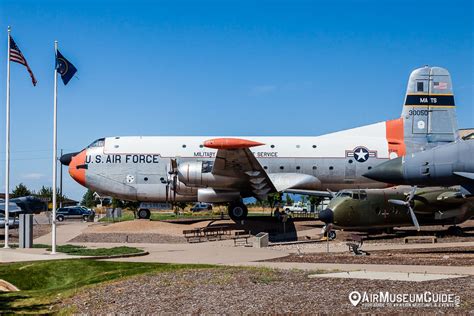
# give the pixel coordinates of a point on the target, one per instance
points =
(62, 66)
(361, 154)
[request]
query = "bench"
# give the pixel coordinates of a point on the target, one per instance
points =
(193, 235)
(241, 238)
(432, 239)
(354, 243)
(208, 233)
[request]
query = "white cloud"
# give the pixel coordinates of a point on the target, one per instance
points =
(32, 176)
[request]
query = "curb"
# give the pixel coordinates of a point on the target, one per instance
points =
(130, 255)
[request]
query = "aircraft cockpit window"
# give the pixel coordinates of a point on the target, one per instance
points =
(344, 194)
(97, 143)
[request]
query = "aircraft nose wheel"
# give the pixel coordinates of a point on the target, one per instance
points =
(332, 235)
(237, 211)
(143, 213)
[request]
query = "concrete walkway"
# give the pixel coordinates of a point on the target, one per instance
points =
(33, 254)
(64, 233)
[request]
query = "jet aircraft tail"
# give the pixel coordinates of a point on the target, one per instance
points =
(429, 115)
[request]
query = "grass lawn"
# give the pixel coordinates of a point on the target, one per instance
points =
(45, 283)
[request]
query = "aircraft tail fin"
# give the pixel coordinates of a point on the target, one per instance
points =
(429, 113)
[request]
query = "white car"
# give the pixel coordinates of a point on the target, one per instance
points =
(296, 208)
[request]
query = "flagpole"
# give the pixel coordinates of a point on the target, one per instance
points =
(7, 148)
(53, 230)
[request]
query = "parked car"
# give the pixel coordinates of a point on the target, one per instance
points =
(201, 207)
(296, 208)
(13, 222)
(78, 212)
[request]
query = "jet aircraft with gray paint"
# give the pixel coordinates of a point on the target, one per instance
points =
(24, 205)
(446, 165)
(228, 169)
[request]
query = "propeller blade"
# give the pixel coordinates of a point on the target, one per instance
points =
(398, 202)
(414, 219)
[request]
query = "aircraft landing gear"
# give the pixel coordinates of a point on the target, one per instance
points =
(455, 231)
(237, 211)
(331, 234)
(143, 213)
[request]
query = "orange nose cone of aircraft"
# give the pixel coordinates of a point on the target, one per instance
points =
(230, 143)
(77, 167)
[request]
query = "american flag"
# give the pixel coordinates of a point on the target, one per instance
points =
(17, 56)
(440, 85)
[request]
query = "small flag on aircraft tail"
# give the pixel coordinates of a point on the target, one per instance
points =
(17, 56)
(64, 67)
(440, 85)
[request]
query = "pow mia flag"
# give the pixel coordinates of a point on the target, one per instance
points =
(64, 67)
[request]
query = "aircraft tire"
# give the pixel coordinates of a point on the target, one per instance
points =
(332, 235)
(144, 213)
(455, 231)
(237, 211)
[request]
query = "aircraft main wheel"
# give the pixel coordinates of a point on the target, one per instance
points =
(144, 213)
(455, 231)
(237, 211)
(332, 235)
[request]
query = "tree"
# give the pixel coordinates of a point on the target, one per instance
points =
(20, 190)
(288, 199)
(274, 199)
(88, 200)
(315, 200)
(47, 192)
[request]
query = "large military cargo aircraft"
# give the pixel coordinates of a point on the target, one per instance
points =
(227, 169)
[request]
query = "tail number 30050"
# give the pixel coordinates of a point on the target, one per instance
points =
(418, 112)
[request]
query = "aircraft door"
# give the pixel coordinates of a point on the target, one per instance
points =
(350, 171)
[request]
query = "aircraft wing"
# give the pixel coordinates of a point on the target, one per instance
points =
(234, 159)
(13, 208)
(25, 204)
(310, 192)
(241, 163)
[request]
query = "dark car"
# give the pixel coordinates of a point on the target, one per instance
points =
(78, 212)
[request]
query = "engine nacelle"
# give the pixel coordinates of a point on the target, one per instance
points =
(183, 189)
(199, 174)
(209, 195)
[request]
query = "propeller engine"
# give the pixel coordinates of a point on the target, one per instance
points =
(172, 181)
(409, 204)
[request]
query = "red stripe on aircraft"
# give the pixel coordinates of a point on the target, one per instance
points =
(230, 143)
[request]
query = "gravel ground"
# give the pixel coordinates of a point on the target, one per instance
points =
(249, 291)
(129, 238)
(460, 256)
(38, 231)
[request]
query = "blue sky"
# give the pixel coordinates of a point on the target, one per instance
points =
(220, 68)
